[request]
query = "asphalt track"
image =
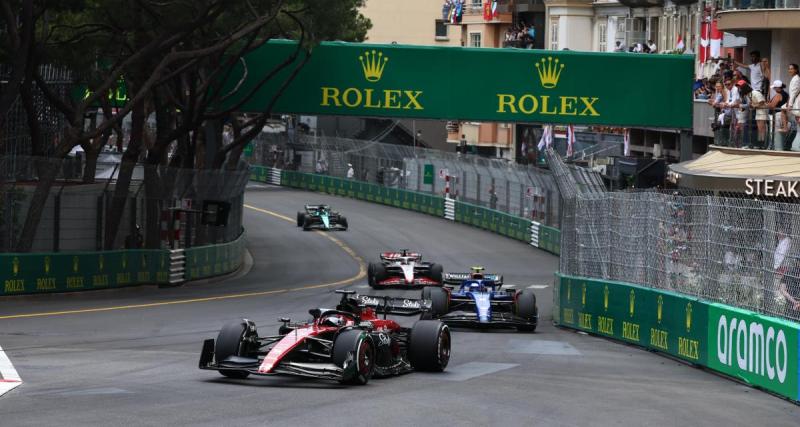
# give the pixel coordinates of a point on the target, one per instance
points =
(129, 357)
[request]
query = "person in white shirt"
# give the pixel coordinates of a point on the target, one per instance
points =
(794, 88)
(652, 46)
(756, 74)
(350, 172)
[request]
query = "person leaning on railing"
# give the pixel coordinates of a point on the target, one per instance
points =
(780, 122)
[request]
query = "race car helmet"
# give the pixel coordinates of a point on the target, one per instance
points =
(333, 320)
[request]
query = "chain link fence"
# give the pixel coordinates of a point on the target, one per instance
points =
(524, 191)
(76, 214)
(736, 251)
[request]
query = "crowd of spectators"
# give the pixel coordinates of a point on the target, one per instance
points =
(522, 36)
(751, 109)
(649, 47)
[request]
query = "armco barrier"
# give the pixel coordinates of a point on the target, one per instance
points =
(80, 271)
(759, 350)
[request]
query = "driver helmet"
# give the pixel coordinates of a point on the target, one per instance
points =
(335, 320)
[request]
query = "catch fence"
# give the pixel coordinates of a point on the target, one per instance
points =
(736, 251)
(519, 190)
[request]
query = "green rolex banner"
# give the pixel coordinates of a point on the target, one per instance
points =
(427, 178)
(540, 86)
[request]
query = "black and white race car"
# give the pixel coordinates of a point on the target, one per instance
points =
(403, 268)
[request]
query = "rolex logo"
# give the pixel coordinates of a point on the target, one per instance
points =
(631, 302)
(605, 298)
(101, 262)
(15, 266)
(549, 72)
(689, 317)
(373, 64)
(569, 290)
(47, 265)
(660, 307)
(144, 261)
(75, 264)
(124, 261)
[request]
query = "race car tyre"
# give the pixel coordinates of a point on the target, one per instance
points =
(343, 222)
(229, 343)
(358, 343)
(525, 307)
(375, 273)
(440, 300)
(429, 346)
(437, 272)
(306, 223)
(301, 218)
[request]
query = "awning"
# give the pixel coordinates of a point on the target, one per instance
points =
(729, 169)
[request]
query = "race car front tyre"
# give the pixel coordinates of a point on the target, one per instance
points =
(437, 273)
(230, 343)
(429, 346)
(301, 218)
(307, 223)
(343, 222)
(375, 273)
(525, 307)
(354, 346)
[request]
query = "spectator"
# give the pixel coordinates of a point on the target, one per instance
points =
(619, 47)
(652, 46)
(757, 103)
(775, 105)
(794, 92)
(350, 171)
(722, 114)
(492, 197)
(765, 71)
(754, 70)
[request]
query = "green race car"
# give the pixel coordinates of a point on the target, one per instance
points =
(321, 217)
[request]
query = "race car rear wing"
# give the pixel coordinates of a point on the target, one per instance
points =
(316, 207)
(391, 256)
(392, 305)
(457, 278)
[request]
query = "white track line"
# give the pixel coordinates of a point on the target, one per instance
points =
(538, 286)
(9, 378)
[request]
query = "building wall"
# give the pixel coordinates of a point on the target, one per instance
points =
(785, 50)
(574, 30)
(404, 22)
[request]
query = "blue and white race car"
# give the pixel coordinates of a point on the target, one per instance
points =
(478, 301)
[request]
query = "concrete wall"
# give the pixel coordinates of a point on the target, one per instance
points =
(404, 22)
(785, 50)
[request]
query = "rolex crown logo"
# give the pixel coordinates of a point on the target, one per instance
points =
(373, 63)
(144, 261)
(47, 265)
(660, 307)
(15, 266)
(75, 264)
(689, 317)
(583, 295)
(632, 302)
(101, 262)
(605, 298)
(549, 72)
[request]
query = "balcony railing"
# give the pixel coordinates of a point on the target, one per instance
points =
(758, 128)
(759, 4)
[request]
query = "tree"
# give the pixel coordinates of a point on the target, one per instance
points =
(172, 56)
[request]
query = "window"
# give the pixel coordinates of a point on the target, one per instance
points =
(475, 39)
(441, 29)
(602, 35)
(554, 34)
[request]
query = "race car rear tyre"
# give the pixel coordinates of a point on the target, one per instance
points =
(358, 343)
(525, 307)
(440, 300)
(376, 272)
(437, 272)
(229, 343)
(429, 346)
(343, 222)
(301, 218)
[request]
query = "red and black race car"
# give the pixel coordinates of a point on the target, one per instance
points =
(403, 268)
(349, 344)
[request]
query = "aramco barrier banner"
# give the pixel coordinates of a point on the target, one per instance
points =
(658, 320)
(759, 350)
(455, 83)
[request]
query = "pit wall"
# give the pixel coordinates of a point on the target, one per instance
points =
(758, 350)
(538, 235)
(33, 273)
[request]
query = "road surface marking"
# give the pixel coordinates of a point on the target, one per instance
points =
(362, 273)
(9, 378)
(538, 286)
(471, 370)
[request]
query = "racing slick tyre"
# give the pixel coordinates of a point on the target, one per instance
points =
(230, 343)
(437, 273)
(429, 346)
(440, 301)
(363, 350)
(301, 218)
(375, 273)
(525, 307)
(307, 222)
(343, 223)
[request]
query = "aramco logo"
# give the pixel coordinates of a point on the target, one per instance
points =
(373, 63)
(549, 72)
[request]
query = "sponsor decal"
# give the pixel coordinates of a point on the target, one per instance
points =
(753, 348)
(373, 64)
